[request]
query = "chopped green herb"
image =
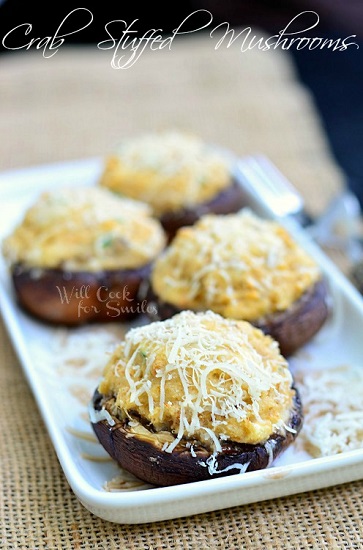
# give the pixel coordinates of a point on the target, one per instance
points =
(107, 241)
(143, 353)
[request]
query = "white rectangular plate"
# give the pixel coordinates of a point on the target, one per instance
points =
(63, 387)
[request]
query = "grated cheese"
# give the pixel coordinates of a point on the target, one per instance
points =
(202, 376)
(98, 416)
(238, 265)
(269, 446)
(333, 410)
(213, 468)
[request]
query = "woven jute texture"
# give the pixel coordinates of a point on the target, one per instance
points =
(75, 105)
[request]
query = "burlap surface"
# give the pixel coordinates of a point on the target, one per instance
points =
(75, 105)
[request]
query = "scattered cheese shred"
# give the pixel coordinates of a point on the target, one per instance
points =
(98, 416)
(125, 482)
(333, 409)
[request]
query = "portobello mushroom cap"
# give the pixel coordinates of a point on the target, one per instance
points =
(190, 461)
(292, 328)
(228, 201)
(76, 297)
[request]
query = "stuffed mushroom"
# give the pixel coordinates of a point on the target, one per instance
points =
(243, 267)
(195, 397)
(177, 174)
(81, 254)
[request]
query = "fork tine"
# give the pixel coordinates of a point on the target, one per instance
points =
(268, 186)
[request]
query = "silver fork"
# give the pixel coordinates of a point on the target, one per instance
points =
(268, 187)
(339, 225)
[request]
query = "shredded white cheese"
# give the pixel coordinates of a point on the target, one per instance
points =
(201, 375)
(333, 409)
(212, 464)
(98, 416)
